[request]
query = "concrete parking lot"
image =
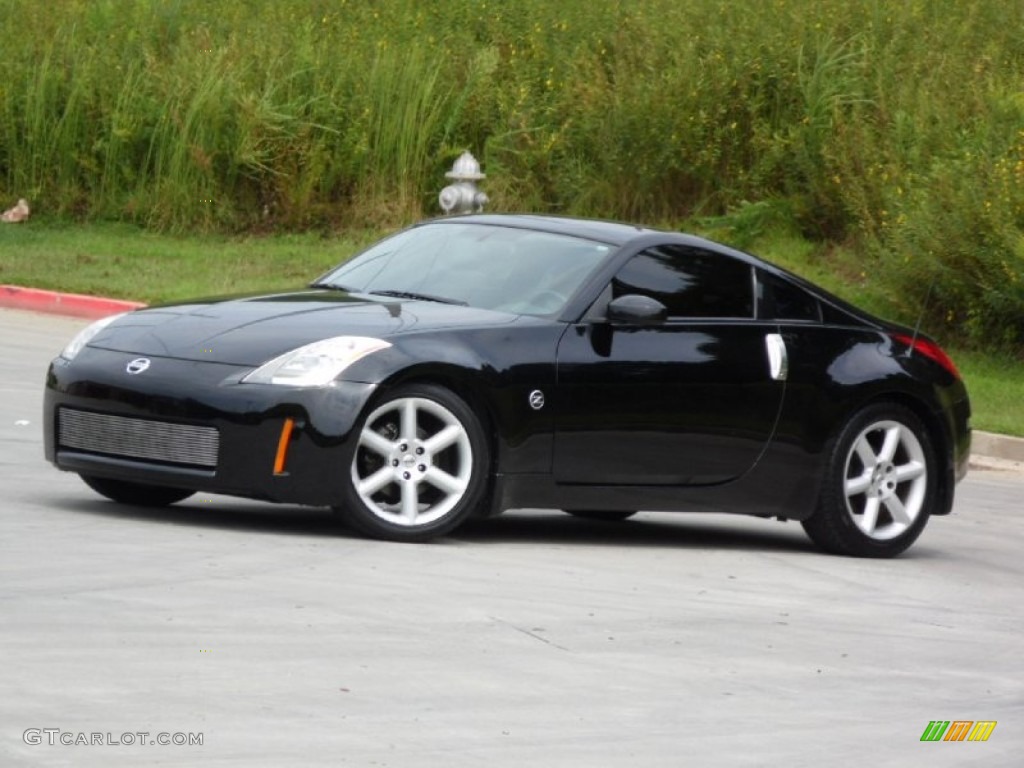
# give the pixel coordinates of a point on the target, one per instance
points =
(279, 638)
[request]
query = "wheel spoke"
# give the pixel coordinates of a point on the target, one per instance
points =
(409, 420)
(866, 454)
(892, 442)
(410, 501)
(858, 485)
(375, 442)
(445, 482)
(897, 510)
(909, 471)
(869, 519)
(375, 482)
(443, 439)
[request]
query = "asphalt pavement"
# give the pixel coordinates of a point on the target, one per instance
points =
(275, 637)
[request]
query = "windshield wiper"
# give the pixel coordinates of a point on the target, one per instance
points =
(421, 296)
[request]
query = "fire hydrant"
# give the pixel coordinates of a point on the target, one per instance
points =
(463, 196)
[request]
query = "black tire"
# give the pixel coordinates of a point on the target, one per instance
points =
(879, 487)
(408, 482)
(608, 516)
(138, 494)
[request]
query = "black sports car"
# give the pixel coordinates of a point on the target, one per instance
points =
(474, 364)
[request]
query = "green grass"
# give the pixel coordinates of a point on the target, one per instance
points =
(996, 387)
(124, 261)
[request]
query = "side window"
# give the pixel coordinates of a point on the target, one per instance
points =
(691, 282)
(783, 301)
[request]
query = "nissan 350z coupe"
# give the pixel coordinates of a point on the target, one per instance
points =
(474, 364)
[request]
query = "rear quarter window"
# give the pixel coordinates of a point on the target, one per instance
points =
(785, 301)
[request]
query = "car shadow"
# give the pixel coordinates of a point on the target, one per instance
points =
(661, 530)
(235, 515)
(647, 529)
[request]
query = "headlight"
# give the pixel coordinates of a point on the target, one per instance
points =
(316, 364)
(86, 335)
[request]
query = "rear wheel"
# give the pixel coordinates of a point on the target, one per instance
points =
(610, 516)
(880, 485)
(419, 468)
(135, 493)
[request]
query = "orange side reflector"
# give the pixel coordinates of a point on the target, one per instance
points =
(282, 446)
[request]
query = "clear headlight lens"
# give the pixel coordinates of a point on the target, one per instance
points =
(316, 364)
(86, 335)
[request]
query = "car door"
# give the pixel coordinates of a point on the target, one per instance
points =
(690, 399)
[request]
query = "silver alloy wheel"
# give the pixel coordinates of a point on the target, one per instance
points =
(414, 462)
(886, 480)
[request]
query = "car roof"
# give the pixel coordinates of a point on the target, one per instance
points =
(617, 234)
(610, 232)
(614, 233)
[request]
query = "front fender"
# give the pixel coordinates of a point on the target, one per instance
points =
(495, 370)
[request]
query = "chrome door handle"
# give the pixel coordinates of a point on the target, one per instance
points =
(778, 359)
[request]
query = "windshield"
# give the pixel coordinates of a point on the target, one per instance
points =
(485, 266)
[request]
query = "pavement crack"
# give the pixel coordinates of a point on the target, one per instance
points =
(529, 633)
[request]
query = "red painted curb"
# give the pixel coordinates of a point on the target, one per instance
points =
(73, 304)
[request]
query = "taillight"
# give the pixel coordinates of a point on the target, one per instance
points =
(929, 349)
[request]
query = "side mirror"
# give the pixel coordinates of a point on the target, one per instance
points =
(635, 309)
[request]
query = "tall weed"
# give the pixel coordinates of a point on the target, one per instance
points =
(889, 125)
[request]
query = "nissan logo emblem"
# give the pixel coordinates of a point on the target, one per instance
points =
(138, 365)
(536, 399)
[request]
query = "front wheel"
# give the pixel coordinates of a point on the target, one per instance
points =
(135, 493)
(880, 485)
(419, 467)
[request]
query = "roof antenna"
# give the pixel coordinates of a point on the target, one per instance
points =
(920, 319)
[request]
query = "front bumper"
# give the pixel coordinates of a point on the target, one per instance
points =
(249, 420)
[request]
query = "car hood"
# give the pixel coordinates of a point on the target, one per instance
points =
(251, 330)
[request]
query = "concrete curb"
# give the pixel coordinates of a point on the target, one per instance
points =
(989, 450)
(1001, 452)
(73, 304)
